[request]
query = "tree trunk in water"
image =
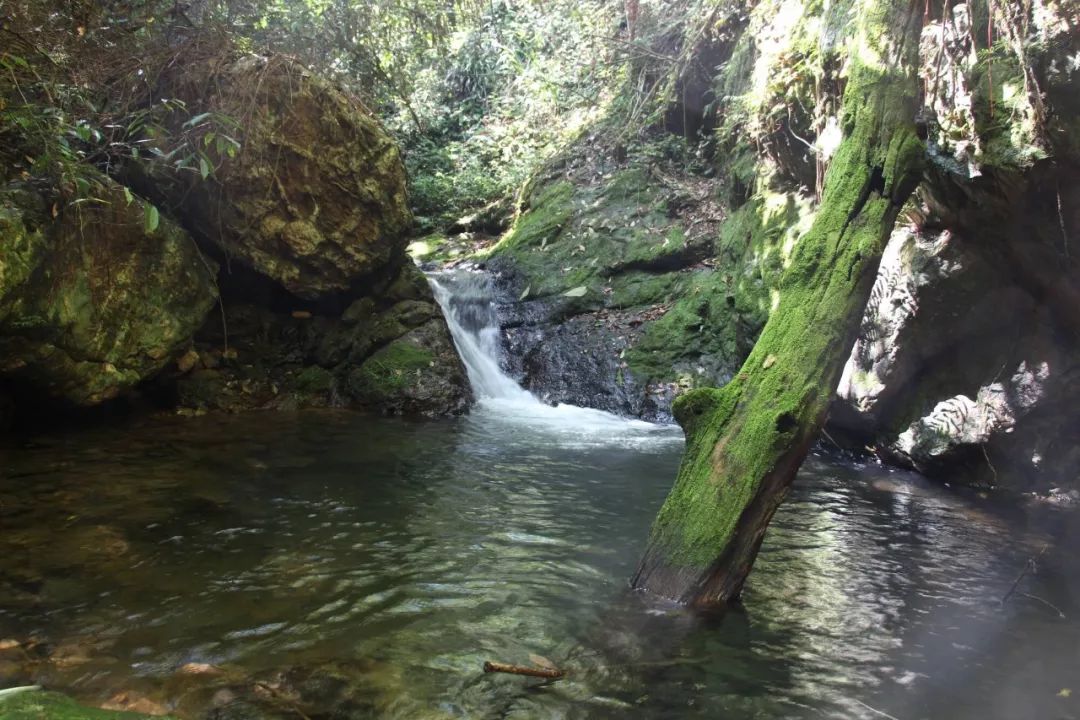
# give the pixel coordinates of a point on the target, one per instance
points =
(746, 441)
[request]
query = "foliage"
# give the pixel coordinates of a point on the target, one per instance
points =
(511, 91)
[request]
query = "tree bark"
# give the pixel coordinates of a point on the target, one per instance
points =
(746, 441)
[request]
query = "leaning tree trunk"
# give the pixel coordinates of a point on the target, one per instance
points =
(746, 441)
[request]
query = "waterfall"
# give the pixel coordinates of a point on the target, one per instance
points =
(466, 301)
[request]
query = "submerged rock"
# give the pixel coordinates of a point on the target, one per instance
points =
(315, 198)
(94, 298)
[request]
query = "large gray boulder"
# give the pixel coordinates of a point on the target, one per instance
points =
(967, 365)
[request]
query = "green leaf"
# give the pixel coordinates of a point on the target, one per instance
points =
(525, 293)
(127, 196)
(152, 218)
(204, 168)
(576, 292)
(196, 120)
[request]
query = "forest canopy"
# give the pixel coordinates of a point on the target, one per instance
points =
(479, 94)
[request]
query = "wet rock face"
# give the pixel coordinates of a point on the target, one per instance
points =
(966, 367)
(92, 302)
(315, 199)
(608, 294)
(565, 355)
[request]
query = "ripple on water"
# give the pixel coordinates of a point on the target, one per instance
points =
(389, 559)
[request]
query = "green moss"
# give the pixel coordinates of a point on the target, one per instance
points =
(389, 370)
(548, 213)
(745, 441)
(702, 326)
(592, 230)
(21, 251)
(629, 186)
(429, 247)
(638, 288)
(37, 705)
(313, 379)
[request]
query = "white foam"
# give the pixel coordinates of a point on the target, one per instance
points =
(466, 300)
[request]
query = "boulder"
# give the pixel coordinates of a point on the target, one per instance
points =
(965, 368)
(315, 196)
(418, 373)
(605, 287)
(390, 353)
(97, 291)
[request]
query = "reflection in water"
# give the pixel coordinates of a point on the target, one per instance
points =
(394, 558)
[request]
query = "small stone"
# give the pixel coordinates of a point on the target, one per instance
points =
(222, 698)
(187, 362)
(193, 668)
(210, 359)
(133, 702)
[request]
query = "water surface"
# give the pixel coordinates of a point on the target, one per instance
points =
(363, 567)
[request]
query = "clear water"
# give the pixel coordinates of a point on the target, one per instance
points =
(394, 558)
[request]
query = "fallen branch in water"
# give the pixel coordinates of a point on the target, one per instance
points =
(1030, 566)
(548, 673)
(1047, 603)
(875, 710)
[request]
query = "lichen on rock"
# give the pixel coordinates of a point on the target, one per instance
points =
(92, 300)
(315, 199)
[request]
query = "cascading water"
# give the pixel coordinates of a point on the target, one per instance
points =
(466, 299)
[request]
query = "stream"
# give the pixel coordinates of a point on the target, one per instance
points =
(332, 565)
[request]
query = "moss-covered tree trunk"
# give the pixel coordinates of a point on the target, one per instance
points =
(746, 441)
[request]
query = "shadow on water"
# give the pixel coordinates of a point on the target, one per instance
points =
(352, 567)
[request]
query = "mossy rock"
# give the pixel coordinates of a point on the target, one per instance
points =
(316, 197)
(586, 232)
(39, 705)
(94, 298)
(683, 282)
(416, 374)
(367, 357)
